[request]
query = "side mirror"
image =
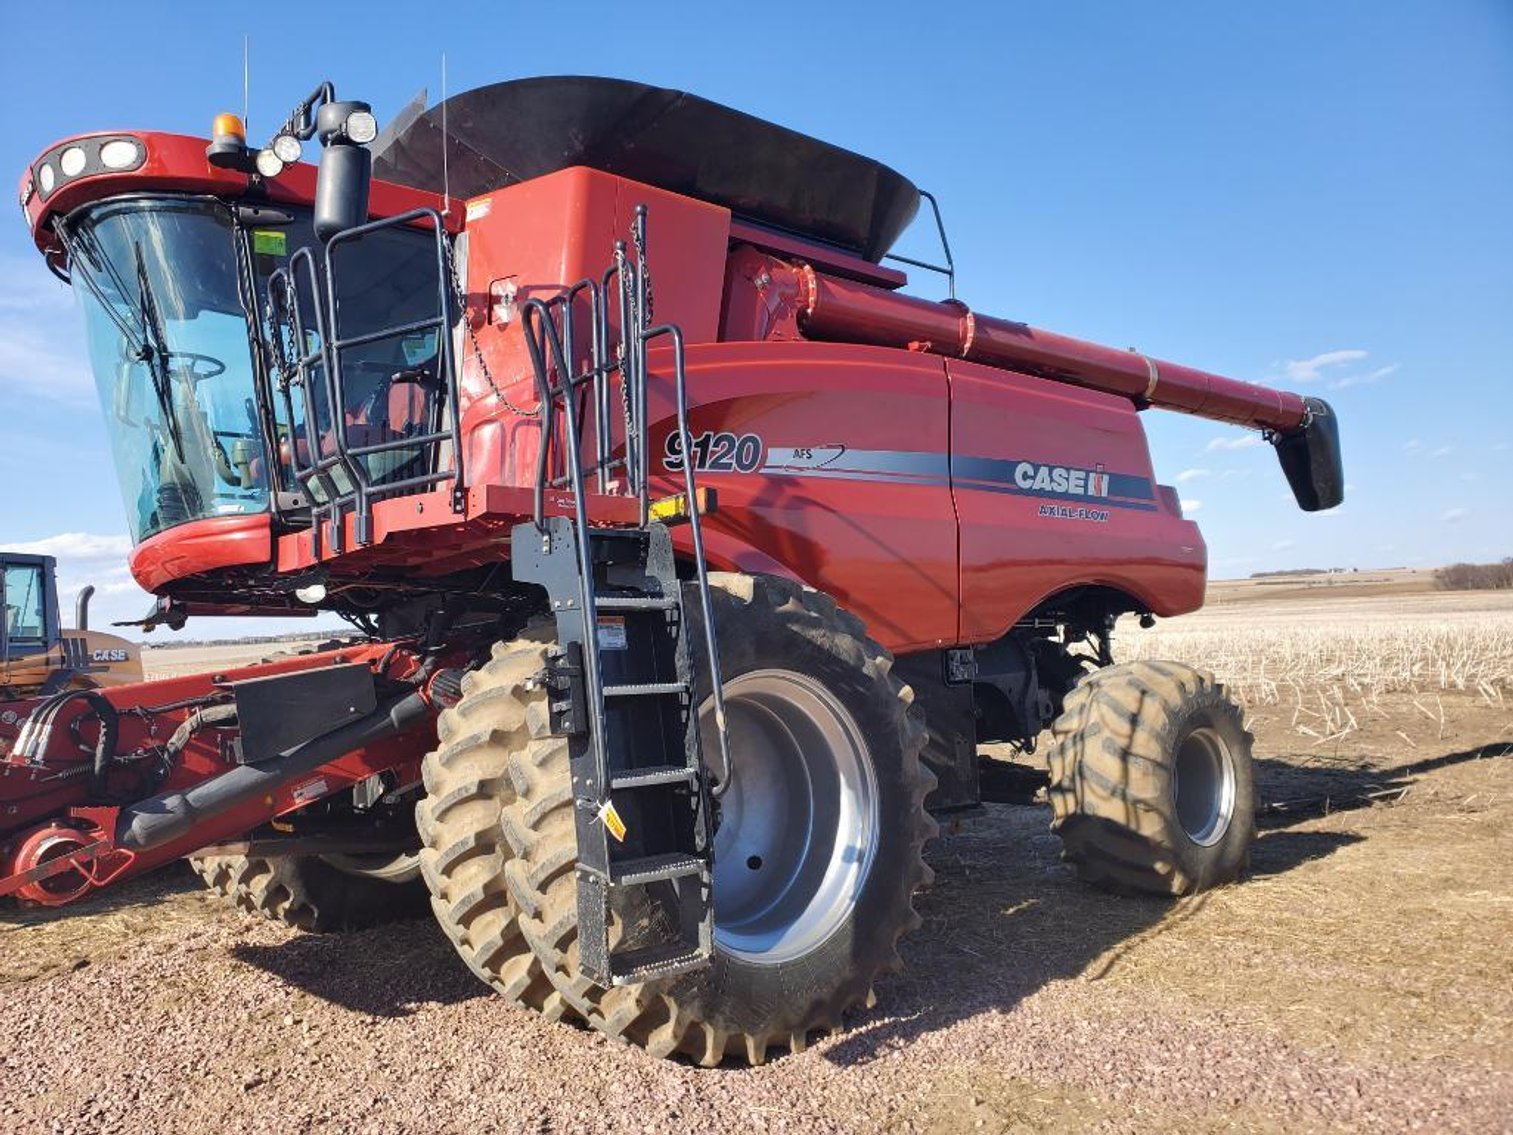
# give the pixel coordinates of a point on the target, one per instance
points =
(346, 166)
(1310, 457)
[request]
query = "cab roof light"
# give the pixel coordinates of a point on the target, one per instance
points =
(229, 126)
(86, 157)
(228, 146)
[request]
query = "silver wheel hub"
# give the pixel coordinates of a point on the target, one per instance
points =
(401, 868)
(798, 822)
(1203, 785)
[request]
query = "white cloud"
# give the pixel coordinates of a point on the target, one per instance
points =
(1453, 515)
(1283, 545)
(41, 348)
(1501, 447)
(91, 558)
(1364, 379)
(1336, 368)
(1309, 370)
(1228, 443)
(1190, 506)
(1191, 475)
(1413, 447)
(74, 545)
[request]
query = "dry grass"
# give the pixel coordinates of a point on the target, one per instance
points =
(1261, 657)
(1332, 666)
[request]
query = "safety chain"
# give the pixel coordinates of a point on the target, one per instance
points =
(461, 300)
(629, 341)
(638, 237)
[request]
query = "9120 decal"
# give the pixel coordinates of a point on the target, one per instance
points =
(722, 452)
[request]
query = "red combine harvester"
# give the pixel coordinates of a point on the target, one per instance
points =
(691, 559)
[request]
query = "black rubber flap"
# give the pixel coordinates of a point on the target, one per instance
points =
(284, 710)
(511, 132)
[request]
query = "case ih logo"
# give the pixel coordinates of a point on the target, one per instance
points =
(1058, 479)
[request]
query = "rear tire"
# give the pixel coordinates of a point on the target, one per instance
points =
(1152, 787)
(311, 894)
(784, 969)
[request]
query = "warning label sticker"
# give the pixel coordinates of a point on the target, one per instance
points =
(310, 790)
(612, 632)
(270, 242)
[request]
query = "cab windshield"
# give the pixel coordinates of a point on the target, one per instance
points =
(164, 283)
(168, 343)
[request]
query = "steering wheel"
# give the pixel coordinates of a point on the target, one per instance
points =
(214, 367)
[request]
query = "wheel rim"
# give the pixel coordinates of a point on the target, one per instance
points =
(386, 867)
(798, 821)
(1203, 783)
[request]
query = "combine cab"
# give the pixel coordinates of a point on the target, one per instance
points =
(691, 558)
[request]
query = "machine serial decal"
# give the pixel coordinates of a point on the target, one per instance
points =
(721, 452)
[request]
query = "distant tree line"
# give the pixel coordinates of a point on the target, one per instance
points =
(1475, 577)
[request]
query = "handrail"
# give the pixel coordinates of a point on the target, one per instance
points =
(328, 462)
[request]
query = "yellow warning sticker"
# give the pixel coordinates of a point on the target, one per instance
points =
(612, 821)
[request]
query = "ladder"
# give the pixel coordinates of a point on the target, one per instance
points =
(623, 677)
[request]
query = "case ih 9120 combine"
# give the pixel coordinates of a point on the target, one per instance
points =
(691, 558)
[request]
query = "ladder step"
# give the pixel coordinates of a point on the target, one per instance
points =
(634, 603)
(654, 869)
(650, 962)
(652, 775)
(645, 689)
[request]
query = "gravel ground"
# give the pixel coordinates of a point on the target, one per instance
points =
(1359, 981)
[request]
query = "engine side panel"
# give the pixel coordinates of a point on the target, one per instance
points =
(831, 466)
(1054, 488)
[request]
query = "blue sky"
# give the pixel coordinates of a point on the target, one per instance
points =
(1314, 195)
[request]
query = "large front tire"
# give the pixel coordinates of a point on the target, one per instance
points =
(463, 852)
(1152, 788)
(806, 918)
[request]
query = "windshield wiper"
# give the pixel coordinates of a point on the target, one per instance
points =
(85, 257)
(147, 341)
(155, 353)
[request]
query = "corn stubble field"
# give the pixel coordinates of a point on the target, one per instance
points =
(1359, 979)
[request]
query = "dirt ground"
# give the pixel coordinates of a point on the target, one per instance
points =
(1360, 979)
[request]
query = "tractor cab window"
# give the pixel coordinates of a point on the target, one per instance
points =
(168, 343)
(25, 610)
(173, 291)
(389, 382)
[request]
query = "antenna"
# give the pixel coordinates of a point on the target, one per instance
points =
(246, 81)
(446, 184)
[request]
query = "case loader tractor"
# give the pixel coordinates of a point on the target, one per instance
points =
(38, 656)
